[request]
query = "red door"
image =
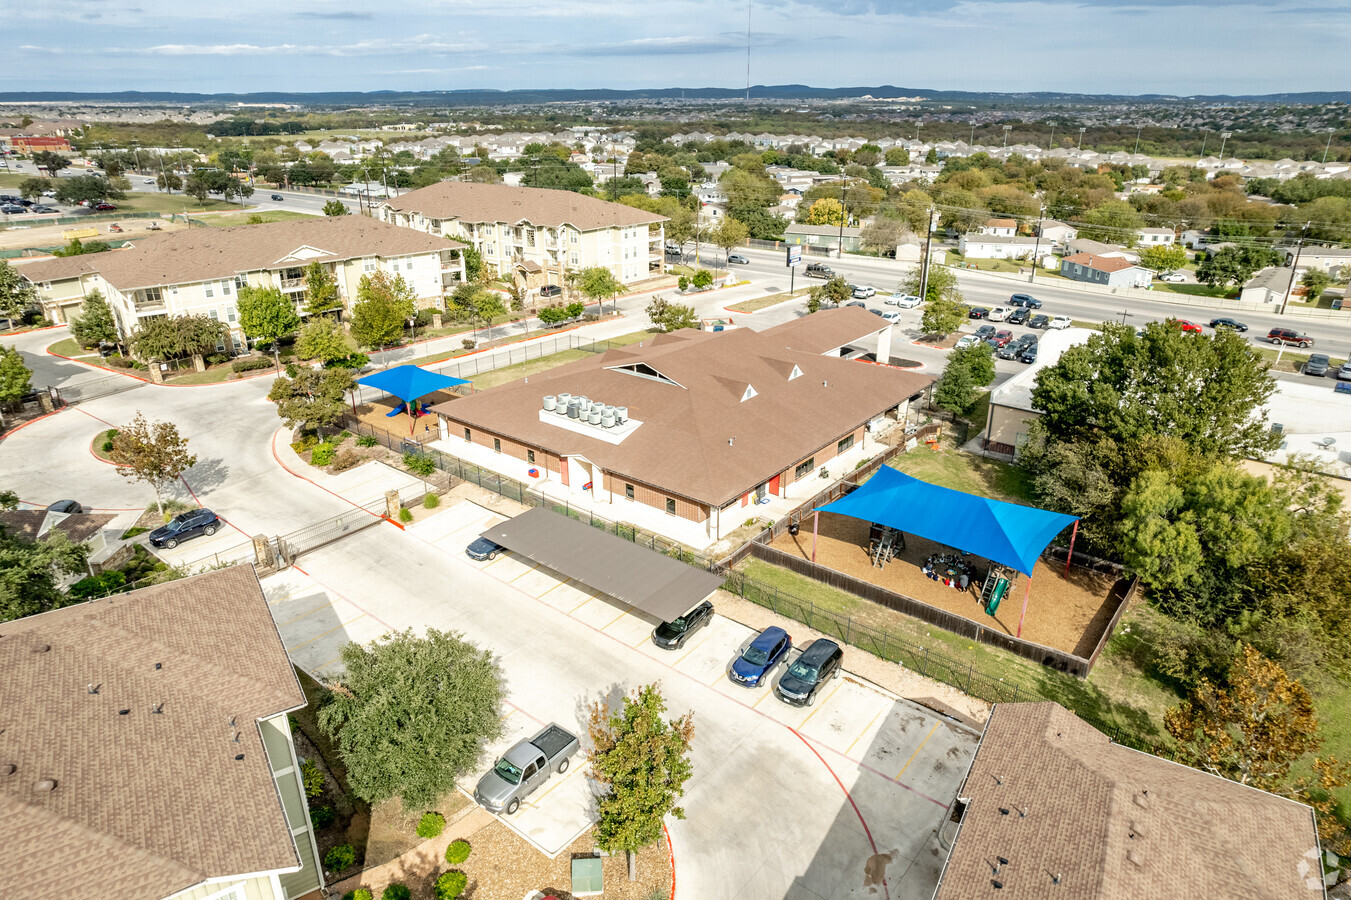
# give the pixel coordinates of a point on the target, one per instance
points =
(563, 469)
(774, 484)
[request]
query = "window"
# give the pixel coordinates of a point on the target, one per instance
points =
(573, 260)
(368, 265)
(574, 236)
(497, 445)
(230, 314)
(804, 469)
(225, 288)
(490, 249)
(628, 492)
(241, 281)
(210, 288)
(670, 507)
(214, 315)
(530, 457)
(844, 444)
(467, 435)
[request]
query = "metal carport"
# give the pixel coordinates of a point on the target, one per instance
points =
(646, 580)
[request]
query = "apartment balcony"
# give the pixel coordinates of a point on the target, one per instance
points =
(149, 307)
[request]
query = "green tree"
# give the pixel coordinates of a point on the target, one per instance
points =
(1112, 222)
(483, 175)
(836, 291)
(473, 262)
(165, 337)
(898, 156)
(1208, 392)
(942, 316)
(32, 188)
(1235, 265)
(598, 282)
(266, 314)
(668, 316)
(882, 235)
(411, 714)
(477, 303)
(84, 188)
(1164, 259)
(383, 305)
(95, 324)
(314, 398)
(321, 289)
(30, 572)
(826, 211)
(169, 181)
(51, 161)
(942, 284)
(197, 186)
(1315, 281)
(77, 247)
(967, 370)
(643, 760)
(931, 158)
(15, 378)
(323, 339)
(680, 227)
(17, 294)
(154, 453)
(335, 207)
(729, 233)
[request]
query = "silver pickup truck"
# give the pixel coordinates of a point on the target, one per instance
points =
(525, 767)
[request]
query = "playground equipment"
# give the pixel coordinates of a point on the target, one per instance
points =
(883, 544)
(998, 581)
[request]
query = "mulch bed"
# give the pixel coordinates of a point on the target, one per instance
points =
(1067, 614)
(352, 821)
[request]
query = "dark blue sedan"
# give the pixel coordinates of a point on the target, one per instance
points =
(769, 648)
(483, 549)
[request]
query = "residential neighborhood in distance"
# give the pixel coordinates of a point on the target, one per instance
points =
(617, 458)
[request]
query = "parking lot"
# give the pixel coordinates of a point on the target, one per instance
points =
(785, 801)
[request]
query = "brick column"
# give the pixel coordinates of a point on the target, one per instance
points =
(262, 552)
(392, 504)
(156, 374)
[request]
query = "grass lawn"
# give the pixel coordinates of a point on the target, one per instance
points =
(213, 375)
(951, 468)
(1292, 360)
(1196, 290)
(221, 220)
(544, 363)
(170, 203)
(957, 261)
(70, 347)
(749, 306)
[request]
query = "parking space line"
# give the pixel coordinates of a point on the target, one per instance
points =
(917, 749)
(328, 663)
(850, 748)
(626, 611)
(687, 653)
(328, 605)
(763, 697)
(493, 562)
(318, 636)
(285, 597)
(803, 723)
(721, 676)
(507, 716)
(555, 587)
(566, 778)
(527, 572)
(589, 598)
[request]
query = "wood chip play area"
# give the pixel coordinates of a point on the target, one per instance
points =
(1068, 614)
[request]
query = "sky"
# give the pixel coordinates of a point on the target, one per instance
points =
(1090, 46)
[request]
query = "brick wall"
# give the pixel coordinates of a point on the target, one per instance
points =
(654, 497)
(821, 457)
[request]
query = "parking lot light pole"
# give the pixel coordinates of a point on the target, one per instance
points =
(1036, 249)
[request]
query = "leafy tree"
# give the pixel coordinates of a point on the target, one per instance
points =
(165, 337)
(898, 156)
(95, 324)
(1235, 265)
(335, 207)
(17, 294)
(77, 247)
(483, 175)
(729, 233)
(477, 303)
(1164, 259)
(1206, 391)
(382, 306)
(643, 760)
(745, 188)
(942, 284)
(598, 282)
(29, 572)
(84, 188)
(15, 378)
(668, 316)
(265, 314)
(680, 228)
(473, 263)
(883, 235)
(931, 158)
(169, 181)
(314, 398)
(411, 714)
(1315, 281)
(323, 339)
(967, 369)
(151, 452)
(942, 316)
(826, 211)
(32, 188)
(553, 315)
(321, 290)
(836, 291)
(50, 160)
(1114, 222)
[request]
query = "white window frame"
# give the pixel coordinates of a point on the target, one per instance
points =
(208, 286)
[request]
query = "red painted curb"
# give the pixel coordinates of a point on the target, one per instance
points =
(16, 428)
(94, 365)
(311, 481)
(6, 334)
(670, 851)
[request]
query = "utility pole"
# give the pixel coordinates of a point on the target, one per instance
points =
(1125, 314)
(1036, 251)
(924, 269)
(1204, 137)
(1081, 137)
(1295, 266)
(1007, 129)
(843, 216)
(973, 135)
(1137, 140)
(1051, 144)
(1224, 138)
(1329, 145)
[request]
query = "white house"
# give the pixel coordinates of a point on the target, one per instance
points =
(998, 228)
(974, 246)
(1270, 285)
(1157, 237)
(1058, 232)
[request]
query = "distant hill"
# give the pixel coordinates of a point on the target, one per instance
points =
(532, 97)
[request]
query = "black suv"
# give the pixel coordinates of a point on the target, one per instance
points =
(819, 270)
(821, 661)
(550, 290)
(183, 526)
(1289, 336)
(1026, 301)
(672, 635)
(1019, 316)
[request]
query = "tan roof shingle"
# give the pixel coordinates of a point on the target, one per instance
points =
(470, 202)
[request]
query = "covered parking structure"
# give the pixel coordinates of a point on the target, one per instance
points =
(648, 581)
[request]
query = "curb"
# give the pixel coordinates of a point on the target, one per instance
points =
(22, 331)
(81, 362)
(18, 428)
(670, 852)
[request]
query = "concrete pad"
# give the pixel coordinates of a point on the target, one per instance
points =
(321, 653)
(304, 627)
(538, 581)
(600, 611)
(558, 812)
(298, 604)
(507, 567)
(451, 522)
(706, 655)
(853, 710)
(898, 740)
(632, 627)
(226, 545)
(368, 483)
(566, 596)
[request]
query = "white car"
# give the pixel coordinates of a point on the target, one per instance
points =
(1000, 313)
(891, 316)
(864, 291)
(966, 340)
(904, 301)
(1061, 322)
(1173, 278)
(148, 181)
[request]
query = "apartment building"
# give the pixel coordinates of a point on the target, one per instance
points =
(200, 271)
(536, 235)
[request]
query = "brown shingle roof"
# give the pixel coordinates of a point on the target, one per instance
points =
(1100, 263)
(79, 527)
(57, 268)
(202, 254)
(470, 202)
(682, 446)
(1055, 797)
(145, 804)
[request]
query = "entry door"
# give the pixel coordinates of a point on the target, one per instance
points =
(774, 485)
(760, 492)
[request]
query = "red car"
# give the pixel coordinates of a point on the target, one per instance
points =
(1189, 327)
(1001, 338)
(105, 207)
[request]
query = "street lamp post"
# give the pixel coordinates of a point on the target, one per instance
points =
(1137, 139)
(1329, 144)
(1007, 129)
(1224, 138)
(1081, 137)
(973, 136)
(1050, 145)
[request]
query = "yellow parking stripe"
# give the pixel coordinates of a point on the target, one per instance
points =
(328, 605)
(862, 733)
(527, 572)
(555, 587)
(626, 611)
(818, 709)
(916, 753)
(589, 598)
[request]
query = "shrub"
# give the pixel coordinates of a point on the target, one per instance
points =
(362, 894)
(431, 825)
(306, 440)
(451, 885)
(322, 816)
(396, 891)
(215, 359)
(350, 361)
(457, 852)
(313, 777)
(431, 501)
(250, 365)
(703, 278)
(98, 585)
(292, 370)
(468, 343)
(367, 440)
(340, 858)
(108, 440)
(121, 362)
(424, 318)
(322, 455)
(405, 515)
(683, 282)
(419, 465)
(345, 460)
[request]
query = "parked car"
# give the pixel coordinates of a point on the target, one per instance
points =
(769, 648)
(864, 291)
(736, 259)
(821, 661)
(523, 768)
(1289, 336)
(1344, 373)
(1000, 313)
(818, 270)
(1027, 301)
(1228, 323)
(12, 209)
(1038, 321)
(1029, 354)
(184, 526)
(482, 548)
(904, 301)
(1009, 350)
(551, 290)
(1318, 365)
(966, 340)
(1173, 277)
(148, 181)
(278, 197)
(105, 206)
(44, 209)
(1019, 316)
(1188, 327)
(65, 506)
(1060, 322)
(1001, 338)
(892, 316)
(985, 332)
(672, 635)
(977, 312)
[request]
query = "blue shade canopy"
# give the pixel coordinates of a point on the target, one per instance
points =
(1005, 533)
(408, 382)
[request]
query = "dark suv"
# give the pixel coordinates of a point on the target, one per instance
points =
(821, 661)
(183, 526)
(1289, 336)
(672, 635)
(819, 270)
(1026, 301)
(550, 290)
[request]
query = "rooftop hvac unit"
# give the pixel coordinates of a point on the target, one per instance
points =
(549, 403)
(563, 400)
(574, 409)
(621, 415)
(594, 416)
(607, 418)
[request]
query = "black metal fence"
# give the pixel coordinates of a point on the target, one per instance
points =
(322, 533)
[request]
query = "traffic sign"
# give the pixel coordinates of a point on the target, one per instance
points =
(794, 255)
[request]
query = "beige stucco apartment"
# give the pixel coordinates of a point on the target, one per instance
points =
(199, 271)
(535, 234)
(145, 750)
